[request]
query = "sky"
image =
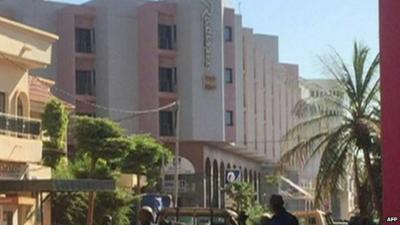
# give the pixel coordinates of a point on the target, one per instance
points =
(308, 29)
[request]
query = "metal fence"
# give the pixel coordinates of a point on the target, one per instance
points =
(18, 126)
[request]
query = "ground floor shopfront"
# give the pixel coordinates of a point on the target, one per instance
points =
(23, 207)
(202, 181)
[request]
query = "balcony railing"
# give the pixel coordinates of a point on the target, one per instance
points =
(20, 127)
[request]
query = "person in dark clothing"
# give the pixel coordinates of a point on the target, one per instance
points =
(242, 218)
(281, 216)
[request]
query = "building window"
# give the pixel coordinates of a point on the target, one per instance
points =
(228, 76)
(167, 79)
(166, 36)
(85, 82)
(2, 102)
(166, 123)
(229, 118)
(84, 40)
(228, 34)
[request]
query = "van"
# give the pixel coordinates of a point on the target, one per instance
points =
(197, 216)
(315, 217)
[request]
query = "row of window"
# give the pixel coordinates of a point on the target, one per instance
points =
(167, 122)
(167, 36)
(326, 93)
(86, 80)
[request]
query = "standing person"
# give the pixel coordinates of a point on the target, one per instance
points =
(281, 216)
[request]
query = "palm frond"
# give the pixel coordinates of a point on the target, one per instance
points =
(301, 130)
(342, 130)
(300, 153)
(335, 66)
(371, 95)
(333, 167)
(370, 73)
(309, 107)
(359, 59)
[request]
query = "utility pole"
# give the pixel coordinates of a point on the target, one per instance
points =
(177, 132)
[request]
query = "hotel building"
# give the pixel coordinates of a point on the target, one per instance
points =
(342, 202)
(235, 96)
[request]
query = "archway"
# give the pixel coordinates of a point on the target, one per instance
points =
(22, 107)
(222, 183)
(215, 184)
(208, 182)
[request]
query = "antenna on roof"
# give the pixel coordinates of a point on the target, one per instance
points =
(239, 7)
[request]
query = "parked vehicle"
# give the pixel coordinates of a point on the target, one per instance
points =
(315, 217)
(197, 216)
(151, 206)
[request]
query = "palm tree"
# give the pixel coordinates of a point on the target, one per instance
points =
(343, 138)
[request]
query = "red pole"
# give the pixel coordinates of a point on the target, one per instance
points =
(390, 84)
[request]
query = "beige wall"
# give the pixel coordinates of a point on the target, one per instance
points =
(33, 48)
(21, 48)
(14, 81)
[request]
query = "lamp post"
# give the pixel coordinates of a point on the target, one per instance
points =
(177, 132)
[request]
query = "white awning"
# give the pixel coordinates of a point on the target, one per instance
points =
(306, 194)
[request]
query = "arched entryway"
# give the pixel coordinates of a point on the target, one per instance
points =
(215, 184)
(222, 183)
(208, 182)
(20, 104)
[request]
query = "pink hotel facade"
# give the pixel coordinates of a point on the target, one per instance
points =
(236, 97)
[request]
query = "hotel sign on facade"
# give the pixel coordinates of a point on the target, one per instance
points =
(209, 80)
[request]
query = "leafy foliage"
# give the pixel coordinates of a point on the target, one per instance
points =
(54, 125)
(115, 204)
(242, 193)
(68, 208)
(103, 153)
(255, 213)
(145, 157)
(99, 138)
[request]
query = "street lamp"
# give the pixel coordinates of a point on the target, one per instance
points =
(177, 130)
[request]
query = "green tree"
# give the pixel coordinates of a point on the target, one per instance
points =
(67, 207)
(54, 125)
(356, 134)
(242, 194)
(71, 208)
(117, 204)
(104, 143)
(146, 158)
